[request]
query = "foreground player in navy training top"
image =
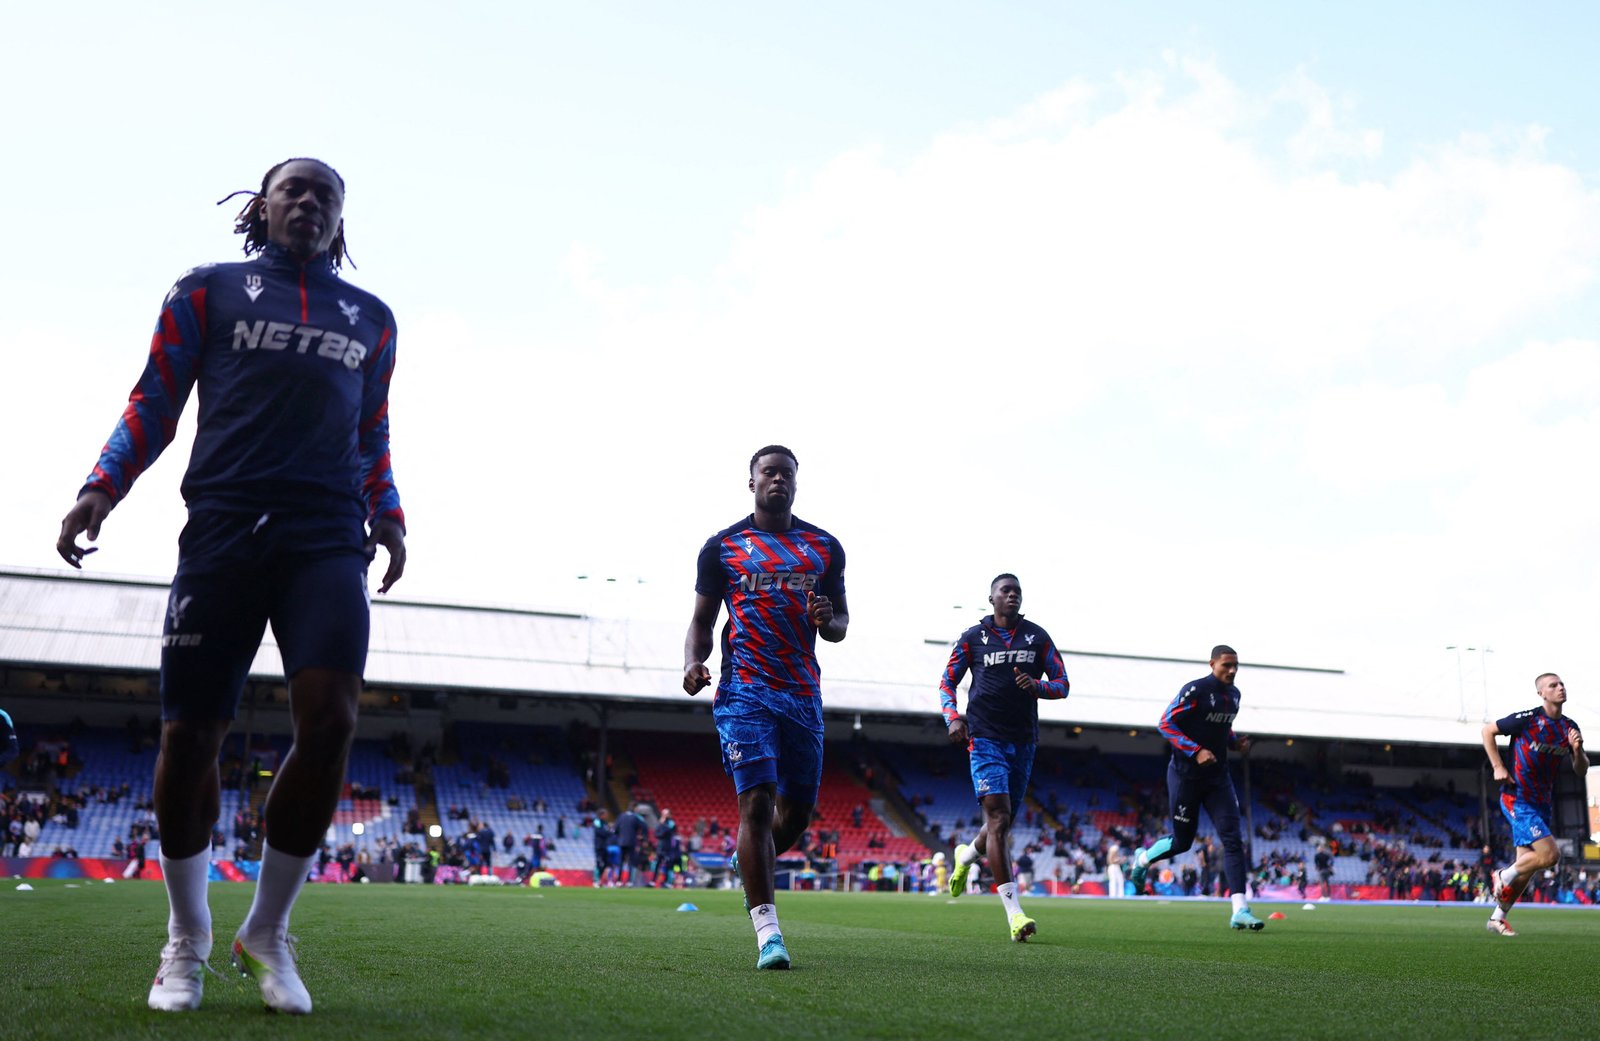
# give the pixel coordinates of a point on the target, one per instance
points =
(783, 582)
(1199, 726)
(1014, 663)
(1540, 739)
(289, 492)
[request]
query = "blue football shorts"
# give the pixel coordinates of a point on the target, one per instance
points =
(1529, 823)
(1001, 768)
(305, 574)
(770, 737)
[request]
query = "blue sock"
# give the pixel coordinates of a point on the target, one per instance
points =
(1158, 850)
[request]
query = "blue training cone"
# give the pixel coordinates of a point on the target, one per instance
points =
(687, 907)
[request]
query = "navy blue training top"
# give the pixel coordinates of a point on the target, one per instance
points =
(293, 366)
(1201, 716)
(998, 709)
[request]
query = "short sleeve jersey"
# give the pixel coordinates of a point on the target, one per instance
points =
(1538, 748)
(764, 578)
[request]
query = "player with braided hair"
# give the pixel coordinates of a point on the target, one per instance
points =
(290, 492)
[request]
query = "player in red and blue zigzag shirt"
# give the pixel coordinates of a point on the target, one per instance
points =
(1540, 739)
(783, 582)
(1198, 724)
(290, 492)
(1014, 663)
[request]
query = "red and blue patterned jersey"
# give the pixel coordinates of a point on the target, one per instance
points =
(293, 367)
(1538, 746)
(1201, 716)
(764, 577)
(998, 709)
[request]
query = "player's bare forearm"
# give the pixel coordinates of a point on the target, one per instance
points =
(836, 628)
(696, 645)
(1492, 750)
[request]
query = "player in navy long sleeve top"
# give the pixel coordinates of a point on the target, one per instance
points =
(1013, 663)
(1541, 739)
(290, 492)
(1198, 724)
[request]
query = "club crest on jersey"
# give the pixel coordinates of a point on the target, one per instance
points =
(1028, 637)
(175, 609)
(253, 286)
(351, 311)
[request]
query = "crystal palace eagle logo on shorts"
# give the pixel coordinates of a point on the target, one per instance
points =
(733, 752)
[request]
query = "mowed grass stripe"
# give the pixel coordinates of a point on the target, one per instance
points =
(423, 962)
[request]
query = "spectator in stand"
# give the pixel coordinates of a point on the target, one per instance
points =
(1024, 871)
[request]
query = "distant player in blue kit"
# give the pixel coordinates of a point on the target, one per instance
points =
(1198, 724)
(1540, 739)
(290, 493)
(783, 582)
(1014, 663)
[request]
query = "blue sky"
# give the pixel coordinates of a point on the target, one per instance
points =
(1272, 324)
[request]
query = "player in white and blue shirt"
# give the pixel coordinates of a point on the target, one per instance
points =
(1541, 739)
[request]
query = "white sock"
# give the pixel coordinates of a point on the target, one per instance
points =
(1508, 876)
(966, 854)
(765, 918)
(1142, 858)
(1008, 897)
(282, 875)
(188, 912)
(1240, 903)
(1498, 914)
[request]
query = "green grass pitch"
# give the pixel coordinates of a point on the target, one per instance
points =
(416, 962)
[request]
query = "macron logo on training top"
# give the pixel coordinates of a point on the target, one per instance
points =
(283, 336)
(253, 286)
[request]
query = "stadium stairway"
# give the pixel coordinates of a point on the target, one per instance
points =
(428, 809)
(620, 796)
(890, 804)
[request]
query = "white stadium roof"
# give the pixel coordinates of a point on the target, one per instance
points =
(61, 619)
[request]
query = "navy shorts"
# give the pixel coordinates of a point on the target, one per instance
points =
(305, 574)
(1001, 768)
(770, 737)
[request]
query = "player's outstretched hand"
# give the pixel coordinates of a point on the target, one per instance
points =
(391, 537)
(1243, 744)
(819, 609)
(1023, 680)
(696, 678)
(86, 516)
(958, 733)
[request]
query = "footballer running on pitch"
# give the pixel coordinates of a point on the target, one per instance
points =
(783, 582)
